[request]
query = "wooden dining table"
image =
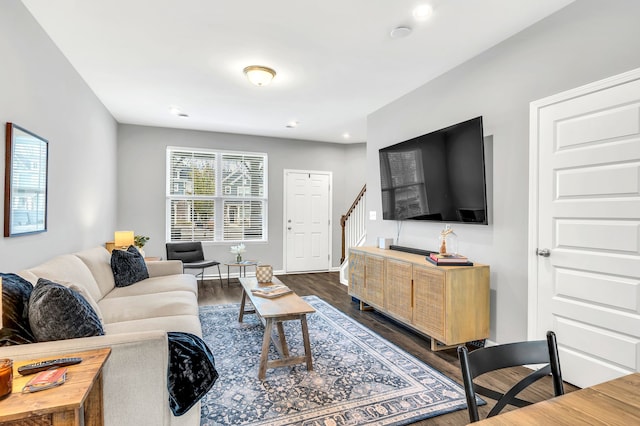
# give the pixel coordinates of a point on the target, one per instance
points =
(616, 402)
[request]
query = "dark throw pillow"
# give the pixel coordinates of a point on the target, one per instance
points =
(15, 311)
(128, 267)
(58, 313)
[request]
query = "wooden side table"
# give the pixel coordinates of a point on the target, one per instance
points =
(242, 267)
(77, 402)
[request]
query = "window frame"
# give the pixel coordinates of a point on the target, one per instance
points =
(219, 198)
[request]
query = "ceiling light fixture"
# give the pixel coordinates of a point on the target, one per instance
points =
(259, 75)
(422, 12)
(400, 32)
(176, 111)
(346, 135)
(292, 124)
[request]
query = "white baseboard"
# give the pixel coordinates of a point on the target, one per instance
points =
(214, 276)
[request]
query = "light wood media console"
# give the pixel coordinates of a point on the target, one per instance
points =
(449, 304)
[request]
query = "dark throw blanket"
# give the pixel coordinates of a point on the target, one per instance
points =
(191, 371)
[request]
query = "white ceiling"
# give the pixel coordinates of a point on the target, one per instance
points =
(335, 60)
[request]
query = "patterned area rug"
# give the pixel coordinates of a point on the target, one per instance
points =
(358, 377)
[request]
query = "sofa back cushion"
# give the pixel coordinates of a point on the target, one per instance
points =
(70, 268)
(98, 260)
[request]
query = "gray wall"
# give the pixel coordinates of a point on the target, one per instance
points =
(40, 91)
(142, 174)
(587, 41)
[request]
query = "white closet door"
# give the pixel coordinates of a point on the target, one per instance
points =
(585, 213)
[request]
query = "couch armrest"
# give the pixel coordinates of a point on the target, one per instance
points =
(134, 377)
(158, 268)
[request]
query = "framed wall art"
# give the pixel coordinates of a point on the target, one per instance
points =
(25, 182)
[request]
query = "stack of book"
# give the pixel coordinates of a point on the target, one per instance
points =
(449, 260)
(271, 291)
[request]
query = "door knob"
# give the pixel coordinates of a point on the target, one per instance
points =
(289, 228)
(543, 252)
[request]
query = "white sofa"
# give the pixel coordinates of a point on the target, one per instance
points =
(136, 320)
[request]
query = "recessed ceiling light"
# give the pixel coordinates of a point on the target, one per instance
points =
(346, 135)
(176, 111)
(422, 12)
(400, 32)
(259, 75)
(292, 124)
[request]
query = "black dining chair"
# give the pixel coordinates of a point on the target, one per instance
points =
(485, 360)
(192, 256)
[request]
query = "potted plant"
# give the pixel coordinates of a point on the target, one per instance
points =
(139, 241)
(238, 250)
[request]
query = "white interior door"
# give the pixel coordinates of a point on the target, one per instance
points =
(585, 180)
(307, 221)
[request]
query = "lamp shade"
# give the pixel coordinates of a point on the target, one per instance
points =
(123, 239)
(259, 75)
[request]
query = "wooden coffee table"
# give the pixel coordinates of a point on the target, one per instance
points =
(289, 307)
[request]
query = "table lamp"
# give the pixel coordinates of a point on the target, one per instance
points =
(123, 239)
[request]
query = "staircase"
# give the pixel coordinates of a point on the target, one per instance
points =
(354, 231)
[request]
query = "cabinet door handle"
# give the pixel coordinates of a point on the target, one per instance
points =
(411, 293)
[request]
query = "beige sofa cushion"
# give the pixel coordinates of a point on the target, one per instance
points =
(183, 323)
(71, 269)
(158, 268)
(117, 309)
(157, 285)
(98, 260)
(29, 276)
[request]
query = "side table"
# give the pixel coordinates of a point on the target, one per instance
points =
(242, 267)
(77, 402)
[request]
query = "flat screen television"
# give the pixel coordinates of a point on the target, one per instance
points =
(438, 177)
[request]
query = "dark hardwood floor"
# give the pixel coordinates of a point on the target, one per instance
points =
(327, 286)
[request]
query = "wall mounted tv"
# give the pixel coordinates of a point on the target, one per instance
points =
(438, 177)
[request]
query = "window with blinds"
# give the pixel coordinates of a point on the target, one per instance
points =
(216, 195)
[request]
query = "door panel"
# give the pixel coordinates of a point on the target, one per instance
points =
(307, 212)
(617, 347)
(398, 298)
(429, 301)
(621, 237)
(603, 289)
(374, 280)
(586, 148)
(356, 275)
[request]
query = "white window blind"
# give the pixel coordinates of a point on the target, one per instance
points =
(216, 196)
